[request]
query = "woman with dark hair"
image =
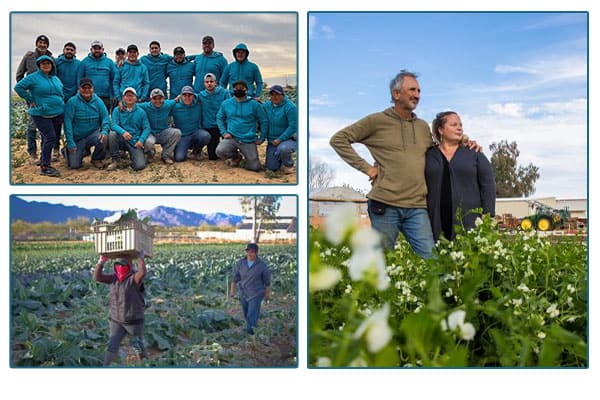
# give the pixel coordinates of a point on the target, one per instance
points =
(457, 178)
(43, 91)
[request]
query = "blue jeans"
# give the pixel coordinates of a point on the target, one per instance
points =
(116, 143)
(412, 222)
(49, 131)
(75, 159)
(251, 310)
(280, 154)
(196, 140)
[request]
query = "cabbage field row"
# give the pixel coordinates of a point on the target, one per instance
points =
(59, 315)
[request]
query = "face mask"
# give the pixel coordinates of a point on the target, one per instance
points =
(239, 93)
(122, 271)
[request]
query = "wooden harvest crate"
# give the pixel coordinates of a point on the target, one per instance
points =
(128, 238)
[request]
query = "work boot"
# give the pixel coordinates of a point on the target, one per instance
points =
(47, 170)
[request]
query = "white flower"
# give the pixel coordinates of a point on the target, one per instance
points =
(324, 279)
(376, 330)
(340, 222)
(365, 239)
(478, 221)
(571, 288)
(523, 288)
(323, 362)
(541, 335)
(456, 322)
(348, 289)
(552, 311)
(369, 265)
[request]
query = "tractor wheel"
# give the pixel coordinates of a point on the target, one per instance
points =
(544, 224)
(526, 224)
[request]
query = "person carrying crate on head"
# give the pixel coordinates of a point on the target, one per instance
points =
(126, 304)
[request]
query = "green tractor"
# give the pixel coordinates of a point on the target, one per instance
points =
(545, 218)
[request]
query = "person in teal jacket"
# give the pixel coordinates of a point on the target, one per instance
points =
(101, 70)
(156, 62)
(132, 74)
(67, 66)
(283, 128)
(130, 129)
(242, 69)
(180, 72)
(237, 120)
(86, 126)
(210, 61)
(187, 116)
(43, 91)
(211, 98)
(158, 111)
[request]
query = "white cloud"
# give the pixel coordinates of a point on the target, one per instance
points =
(321, 100)
(315, 30)
(509, 109)
(550, 69)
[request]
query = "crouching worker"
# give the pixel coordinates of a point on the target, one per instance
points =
(126, 304)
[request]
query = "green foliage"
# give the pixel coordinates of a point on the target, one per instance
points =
(512, 181)
(488, 299)
(59, 315)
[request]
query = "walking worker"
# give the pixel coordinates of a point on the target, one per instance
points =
(253, 278)
(132, 74)
(158, 111)
(211, 98)
(130, 129)
(127, 304)
(283, 128)
(180, 72)
(86, 125)
(242, 69)
(102, 71)
(237, 120)
(43, 91)
(27, 66)
(209, 61)
(457, 177)
(187, 116)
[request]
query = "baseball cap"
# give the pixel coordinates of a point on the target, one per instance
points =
(187, 90)
(132, 47)
(211, 76)
(178, 50)
(121, 261)
(43, 38)
(86, 81)
(241, 82)
(129, 89)
(252, 246)
(97, 43)
(276, 89)
(208, 39)
(156, 92)
(120, 50)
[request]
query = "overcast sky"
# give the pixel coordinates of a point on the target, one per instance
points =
(270, 37)
(511, 76)
(198, 204)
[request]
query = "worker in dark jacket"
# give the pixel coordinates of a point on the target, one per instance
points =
(457, 178)
(253, 277)
(126, 304)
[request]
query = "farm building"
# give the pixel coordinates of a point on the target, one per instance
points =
(323, 202)
(520, 207)
(281, 229)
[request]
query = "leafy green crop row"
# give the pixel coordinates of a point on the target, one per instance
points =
(59, 316)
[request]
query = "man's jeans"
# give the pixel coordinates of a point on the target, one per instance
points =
(280, 154)
(195, 141)
(49, 132)
(412, 222)
(75, 159)
(251, 310)
(228, 148)
(168, 138)
(116, 143)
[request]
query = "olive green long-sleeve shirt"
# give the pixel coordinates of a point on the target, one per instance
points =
(398, 146)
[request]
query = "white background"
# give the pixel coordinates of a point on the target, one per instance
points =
(285, 383)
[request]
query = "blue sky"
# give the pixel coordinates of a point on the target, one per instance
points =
(199, 204)
(515, 76)
(270, 37)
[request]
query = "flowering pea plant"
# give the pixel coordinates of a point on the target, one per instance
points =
(488, 298)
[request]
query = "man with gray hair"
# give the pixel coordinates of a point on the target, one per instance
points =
(397, 140)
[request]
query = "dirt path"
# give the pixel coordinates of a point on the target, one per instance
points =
(188, 172)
